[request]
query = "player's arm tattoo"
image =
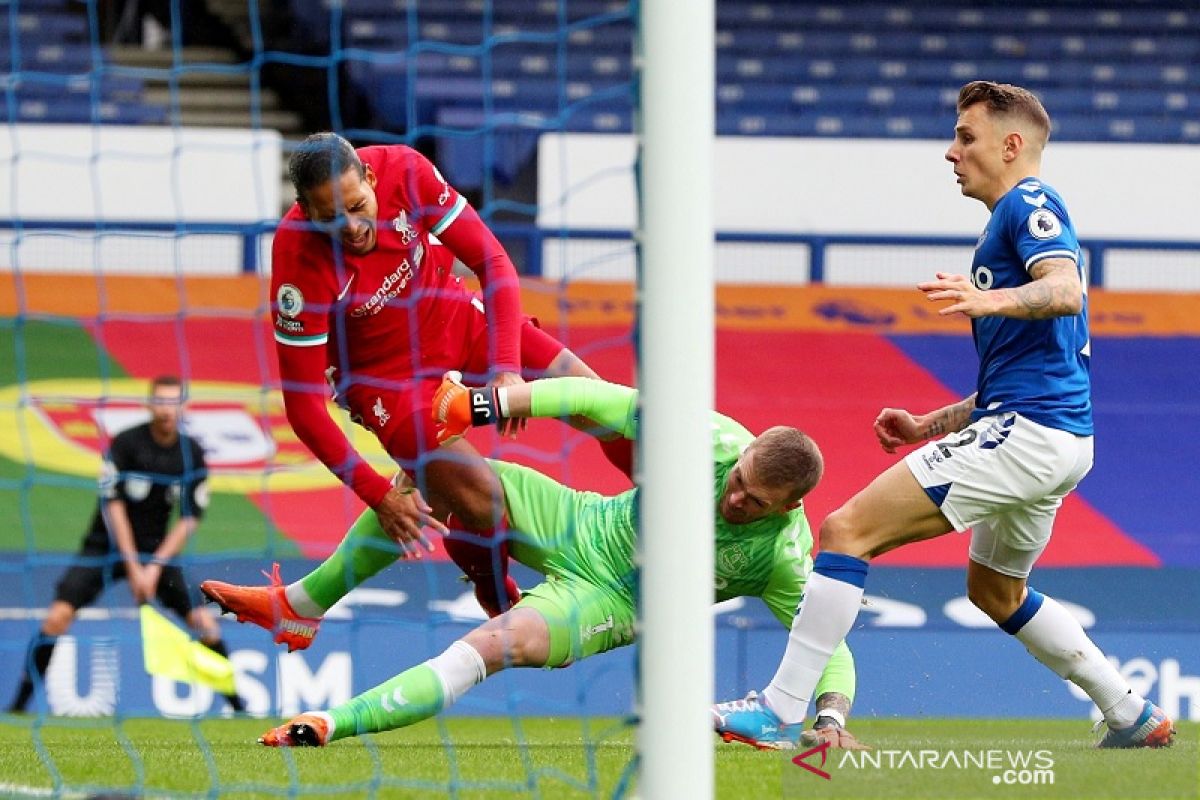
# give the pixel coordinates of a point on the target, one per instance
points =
(1055, 291)
(949, 419)
(832, 701)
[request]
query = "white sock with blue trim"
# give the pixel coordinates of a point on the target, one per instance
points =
(827, 612)
(1056, 639)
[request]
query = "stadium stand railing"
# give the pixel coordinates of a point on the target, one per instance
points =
(528, 244)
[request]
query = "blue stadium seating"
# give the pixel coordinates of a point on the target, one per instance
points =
(397, 33)
(48, 5)
(795, 68)
(51, 27)
(811, 69)
(48, 87)
(51, 72)
(1107, 71)
(945, 17)
(59, 59)
(514, 137)
(83, 110)
(1127, 128)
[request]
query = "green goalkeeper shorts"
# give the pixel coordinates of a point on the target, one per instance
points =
(583, 543)
(584, 619)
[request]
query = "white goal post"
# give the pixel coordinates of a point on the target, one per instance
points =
(675, 289)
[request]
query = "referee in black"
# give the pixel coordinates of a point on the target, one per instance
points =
(148, 471)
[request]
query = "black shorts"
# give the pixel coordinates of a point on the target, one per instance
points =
(95, 569)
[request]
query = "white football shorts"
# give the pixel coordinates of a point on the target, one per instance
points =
(1004, 476)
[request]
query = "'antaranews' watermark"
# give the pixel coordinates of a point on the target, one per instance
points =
(1007, 767)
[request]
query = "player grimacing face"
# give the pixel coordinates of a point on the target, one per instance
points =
(746, 499)
(978, 154)
(352, 199)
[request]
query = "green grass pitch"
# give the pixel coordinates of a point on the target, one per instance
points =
(557, 758)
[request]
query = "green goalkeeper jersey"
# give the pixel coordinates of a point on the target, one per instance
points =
(594, 536)
(770, 558)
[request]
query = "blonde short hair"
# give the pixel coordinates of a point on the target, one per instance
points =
(785, 456)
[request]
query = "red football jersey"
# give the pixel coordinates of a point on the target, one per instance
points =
(385, 315)
(382, 314)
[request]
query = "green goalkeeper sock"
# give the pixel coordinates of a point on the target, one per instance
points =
(411, 696)
(364, 551)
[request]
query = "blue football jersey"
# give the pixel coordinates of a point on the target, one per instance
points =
(1038, 368)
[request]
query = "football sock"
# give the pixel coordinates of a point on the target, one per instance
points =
(459, 668)
(1126, 711)
(827, 612)
(414, 695)
(364, 551)
(37, 660)
(1056, 639)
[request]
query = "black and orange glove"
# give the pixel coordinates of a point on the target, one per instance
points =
(457, 407)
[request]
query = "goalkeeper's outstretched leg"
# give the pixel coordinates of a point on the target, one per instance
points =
(516, 638)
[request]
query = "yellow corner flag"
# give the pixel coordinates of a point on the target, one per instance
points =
(171, 653)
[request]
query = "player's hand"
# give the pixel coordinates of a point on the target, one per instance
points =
(963, 296)
(895, 427)
(837, 736)
(141, 584)
(151, 575)
(512, 426)
(403, 514)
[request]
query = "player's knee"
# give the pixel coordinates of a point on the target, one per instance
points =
(476, 510)
(58, 619)
(472, 495)
(502, 645)
(567, 364)
(517, 651)
(531, 637)
(999, 606)
(839, 534)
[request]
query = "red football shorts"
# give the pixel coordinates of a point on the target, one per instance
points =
(400, 414)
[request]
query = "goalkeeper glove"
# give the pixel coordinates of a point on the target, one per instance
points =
(457, 407)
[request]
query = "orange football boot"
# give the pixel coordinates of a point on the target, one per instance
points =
(306, 730)
(266, 607)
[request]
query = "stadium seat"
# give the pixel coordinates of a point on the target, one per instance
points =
(82, 110)
(786, 67)
(513, 132)
(461, 158)
(42, 6)
(51, 27)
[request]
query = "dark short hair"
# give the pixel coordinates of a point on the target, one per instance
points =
(319, 158)
(785, 456)
(1004, 99)
(166, 380)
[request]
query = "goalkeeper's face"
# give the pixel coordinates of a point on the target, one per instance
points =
(348, 207)
(747, 498)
